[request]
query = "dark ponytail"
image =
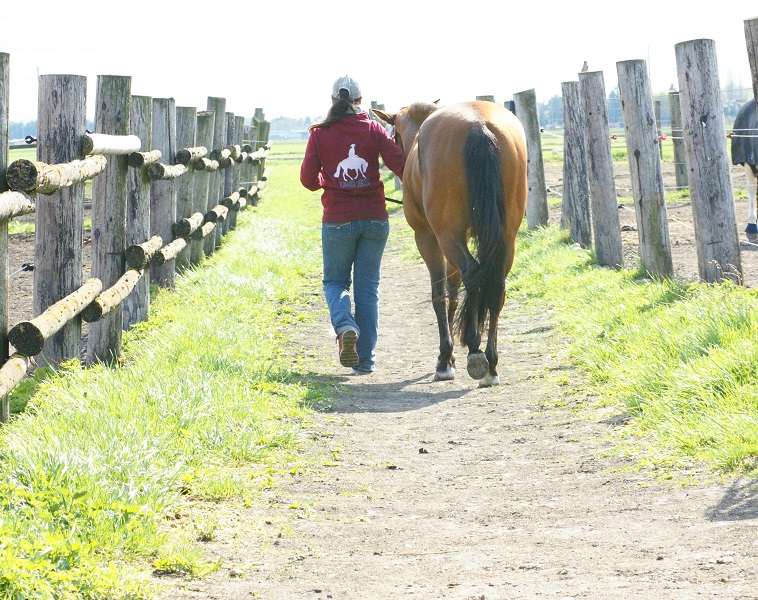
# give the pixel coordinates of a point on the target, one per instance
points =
(341, 107)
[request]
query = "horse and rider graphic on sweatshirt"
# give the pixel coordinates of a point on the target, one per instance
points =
(355, 163)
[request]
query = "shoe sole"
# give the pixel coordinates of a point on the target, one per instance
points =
(349, 355)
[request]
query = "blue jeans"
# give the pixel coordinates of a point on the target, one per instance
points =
(353, 253)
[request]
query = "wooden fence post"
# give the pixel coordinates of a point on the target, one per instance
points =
(263, 133)
(645, 168)
(751, 41)
(137, 304)
(680, 157)
(604, 202)
(109, 215)
(576, 200)
(163, 192)
(716, 236)
(216, 180)
(536, 204)
(4, 261)
(239, 169)
(59, 218)
(258, 117)
(228, 188)
(203, 137)
(186, 127)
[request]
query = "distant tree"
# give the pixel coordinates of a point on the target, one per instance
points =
(615, 115)
(19, 130)
(551, 113)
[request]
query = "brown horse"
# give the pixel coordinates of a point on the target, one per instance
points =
(464, 181)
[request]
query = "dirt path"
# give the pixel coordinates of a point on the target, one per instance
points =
(443, 490)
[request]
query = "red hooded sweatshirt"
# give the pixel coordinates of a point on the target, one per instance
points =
(344, 160)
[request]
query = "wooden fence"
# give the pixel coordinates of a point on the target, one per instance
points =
(169, 181)
(167, 184)
(589, 200)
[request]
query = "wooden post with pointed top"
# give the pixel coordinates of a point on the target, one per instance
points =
(603, 199)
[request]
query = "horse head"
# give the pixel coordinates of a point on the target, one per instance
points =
(407, 121)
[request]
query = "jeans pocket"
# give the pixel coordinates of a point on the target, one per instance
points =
(380, 229)
(338, 231)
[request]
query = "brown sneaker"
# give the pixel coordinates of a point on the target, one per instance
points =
(346, 345)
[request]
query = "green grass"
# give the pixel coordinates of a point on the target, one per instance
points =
(19, 153)
(199, 406)
(678, 360)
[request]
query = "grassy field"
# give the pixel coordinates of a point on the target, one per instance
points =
(203, 406)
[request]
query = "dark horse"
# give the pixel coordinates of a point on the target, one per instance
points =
(464, 181)
(745, 152)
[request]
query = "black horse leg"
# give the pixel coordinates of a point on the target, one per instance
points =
(491, 352)
(477, 364)
(436, 264)
(453, 288)
(444, 370)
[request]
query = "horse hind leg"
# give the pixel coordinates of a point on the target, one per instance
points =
(477, 364)
(453, 289)
(436, 264)
(492, 378)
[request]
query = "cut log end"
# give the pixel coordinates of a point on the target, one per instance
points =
(22, 175)
(92, 312)
(136, 257)
(26, 338)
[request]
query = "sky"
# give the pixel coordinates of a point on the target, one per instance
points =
(283, 55)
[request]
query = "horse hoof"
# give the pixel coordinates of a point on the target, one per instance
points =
(489, 380)
(478, 366)
(446, 375)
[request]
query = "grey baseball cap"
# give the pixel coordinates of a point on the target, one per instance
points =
(347, 83)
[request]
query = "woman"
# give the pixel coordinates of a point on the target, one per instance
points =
(342, 158)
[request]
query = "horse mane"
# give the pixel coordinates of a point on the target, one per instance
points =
(419, 111)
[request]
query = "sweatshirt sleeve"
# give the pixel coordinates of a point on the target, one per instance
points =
(310, 171)
(392, 154)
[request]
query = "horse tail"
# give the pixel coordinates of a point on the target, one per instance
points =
(487, 209)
